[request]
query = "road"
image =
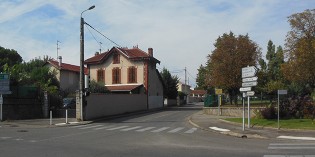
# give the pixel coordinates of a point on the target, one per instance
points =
(163, 133)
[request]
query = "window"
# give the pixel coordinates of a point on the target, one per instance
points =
(116, 76)
(101, 75)
(132, 75)
(116, 58)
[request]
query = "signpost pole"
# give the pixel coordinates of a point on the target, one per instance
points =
(1, 98)
(243, 111)
(219, 104)
(248, 110)
(278, 111)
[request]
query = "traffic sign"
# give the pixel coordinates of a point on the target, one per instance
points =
(282, 92)
(250, 79)
(218, 91)
(250, 93)
(249, 84)
(1, 100)
(249, 71)
(245, 89)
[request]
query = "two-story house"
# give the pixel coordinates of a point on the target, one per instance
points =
(128, 71)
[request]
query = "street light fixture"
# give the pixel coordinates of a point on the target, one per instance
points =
(82, 96)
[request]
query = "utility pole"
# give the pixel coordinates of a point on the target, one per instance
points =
(185, 81)
(101, 47)
(58, 48)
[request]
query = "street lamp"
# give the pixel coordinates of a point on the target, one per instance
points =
(82, 100)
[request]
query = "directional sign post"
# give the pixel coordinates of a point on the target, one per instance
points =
(219, 93)
(4, 89)
(248, 80)
(280, 92)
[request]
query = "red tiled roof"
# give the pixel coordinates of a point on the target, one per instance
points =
(122, 87)
(133, 54)
(199, 92)
(69, 67)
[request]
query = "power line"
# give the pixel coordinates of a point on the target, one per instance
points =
(98, 42)
(103, 35)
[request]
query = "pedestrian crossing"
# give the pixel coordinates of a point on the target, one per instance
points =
(305, 146)
(125, 128)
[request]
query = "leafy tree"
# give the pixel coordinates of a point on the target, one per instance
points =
(201, 78)
(171, 84)
(231, 54)
(9, 57)
(300, 49)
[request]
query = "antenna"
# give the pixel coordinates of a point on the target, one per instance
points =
(58, 48)
(101, 47)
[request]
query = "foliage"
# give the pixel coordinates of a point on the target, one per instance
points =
(224, 65)
(33, 73)
(201, 78)
(300, 49)
(9, 57)
(269, 112)
(181, 95)
(98, 87)
(171, 84)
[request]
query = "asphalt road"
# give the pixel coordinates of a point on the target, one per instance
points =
(163, 133)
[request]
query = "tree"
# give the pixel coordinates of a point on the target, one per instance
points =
(171, 84)
(300, 49)
(231, 54)
(201, 78)
(9, 57)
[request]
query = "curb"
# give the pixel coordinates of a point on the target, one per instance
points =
(230, 133)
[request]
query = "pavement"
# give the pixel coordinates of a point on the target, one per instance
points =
(215, 123)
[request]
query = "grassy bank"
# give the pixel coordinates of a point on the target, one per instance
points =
(287, 123)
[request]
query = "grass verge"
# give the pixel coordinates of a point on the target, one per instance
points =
(305, 124)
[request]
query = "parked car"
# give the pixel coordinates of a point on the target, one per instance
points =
(69, 103)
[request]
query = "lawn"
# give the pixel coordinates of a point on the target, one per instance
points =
(287, 123)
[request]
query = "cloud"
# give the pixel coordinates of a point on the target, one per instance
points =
(181, 33)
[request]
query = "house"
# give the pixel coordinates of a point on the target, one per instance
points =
(198, 93)
(182, 87)
(128, 71)
(68, 75)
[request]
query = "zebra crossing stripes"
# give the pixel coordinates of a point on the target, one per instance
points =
(176, 130)
(135, 128)
(291, 146)
(161, 129)
(145, 129)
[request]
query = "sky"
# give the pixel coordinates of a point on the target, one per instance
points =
(181, 32)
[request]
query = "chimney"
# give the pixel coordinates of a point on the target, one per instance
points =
(60, 60)
(150, 51)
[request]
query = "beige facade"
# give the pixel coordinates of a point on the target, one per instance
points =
(182, 87)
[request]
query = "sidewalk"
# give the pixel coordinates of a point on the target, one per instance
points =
(42, 123)
(216, 123)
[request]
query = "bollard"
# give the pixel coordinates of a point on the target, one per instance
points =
(50, 113)
(66, 116)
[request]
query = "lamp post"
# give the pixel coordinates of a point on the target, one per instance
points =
(82, 96)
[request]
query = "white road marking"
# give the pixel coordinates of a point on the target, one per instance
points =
(132, 128)
(89, 127)
(282, 146)
(161, 129)
(176, 130)
(79, 126)
(219, 129)
(191, 130)
(297, 138)
(104, 127)
(120, 127)
(289, 155)
(145, 129)
(4, 138)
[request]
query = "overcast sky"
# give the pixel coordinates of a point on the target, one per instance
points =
(181, 32)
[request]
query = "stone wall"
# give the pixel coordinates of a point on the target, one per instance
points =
(232, 111)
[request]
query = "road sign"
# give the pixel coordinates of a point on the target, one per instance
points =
(5, 92)
(245, 89)
(250, 93)
(282, 92)
(4, 82)
(1, 100)
(250, 79)
(249, 84)
(218, 91)
(249, 71)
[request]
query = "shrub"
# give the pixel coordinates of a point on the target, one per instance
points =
(269, 112)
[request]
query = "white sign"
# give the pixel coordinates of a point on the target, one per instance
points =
(245, 89)
(5, 92)
(1, 100)
(282, 92)
(249, 71)
(250, 93)
(250, 79)
(249, 84)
